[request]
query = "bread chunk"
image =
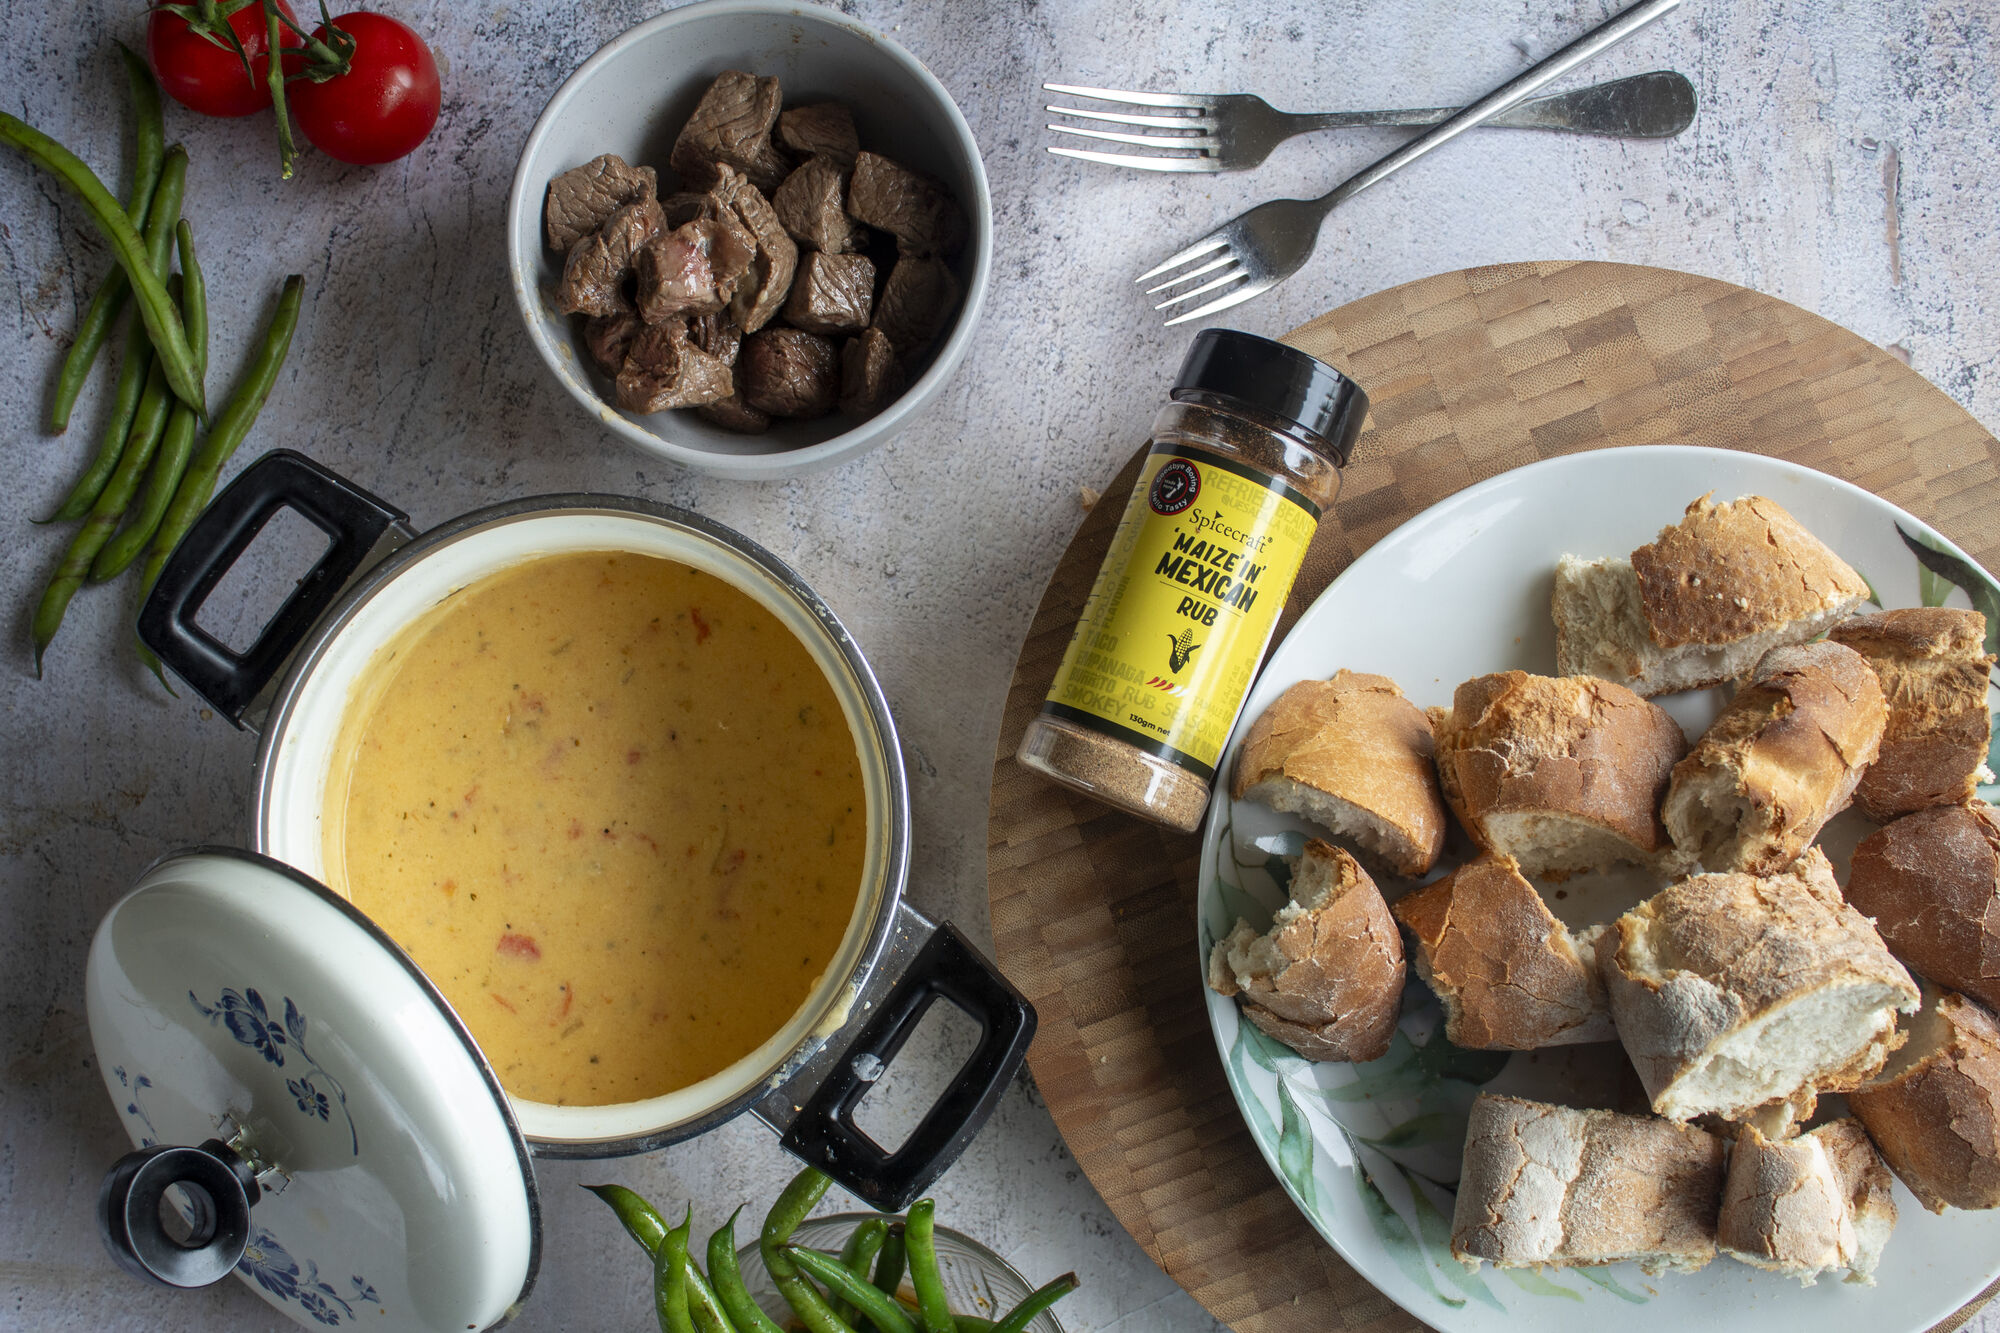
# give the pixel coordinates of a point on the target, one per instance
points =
(1563, 774)
(1731, 991)
(1550, 1185)
(1819, 1203)
(1702, 603)
(1781, 760)
(1509, 975)
(1935, 1110)
(1327, 978)
(1354, 756)
(1931, 880)
(1933, 665)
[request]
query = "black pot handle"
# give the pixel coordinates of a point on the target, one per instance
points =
(282, 479)
(824, 1133)
(217, 1187)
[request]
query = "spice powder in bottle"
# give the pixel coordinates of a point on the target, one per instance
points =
(1242, 463)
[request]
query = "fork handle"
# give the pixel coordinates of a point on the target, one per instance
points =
(1641, 106)
(1509, 94)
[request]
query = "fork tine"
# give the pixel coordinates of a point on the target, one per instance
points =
(1120, 118)
(1231, 276)
(1192, 274)
(1141, 161)
(1127, 96)
(1197, 142)
(1195, 251)
(1235, 296)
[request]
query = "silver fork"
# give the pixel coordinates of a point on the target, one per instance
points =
(1255, 251)
(1237, 131)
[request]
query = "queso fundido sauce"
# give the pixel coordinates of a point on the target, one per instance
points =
(612, 807)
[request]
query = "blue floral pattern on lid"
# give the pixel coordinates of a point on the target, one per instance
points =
(249, 1021)
(271, 1266)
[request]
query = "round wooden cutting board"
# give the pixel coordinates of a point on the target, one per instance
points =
(1469, 374)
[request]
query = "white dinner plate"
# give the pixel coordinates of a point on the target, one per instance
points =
(1369, 1152)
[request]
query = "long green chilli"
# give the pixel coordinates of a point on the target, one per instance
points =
(149, 143)
(919, 1240)
(642, 1221)
(892, 1262)
(806, 1190)
(670, 1296)
(703, 1303)
(858, 1253)
(728, 1279)
(1018, 1319)
(882, 1310)
(156, 308)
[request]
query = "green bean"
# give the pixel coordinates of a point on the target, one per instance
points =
(703, 1303)
(919, 1240)
(670, 1294)
(729, 1288)
(807, 1188)
(642, 1221)
(859, 1252)
(1018, 1319)
(972, 1323)
(891, 1263)
(165, 212)
(132, 372)
(156, 308)
(882, 1311)
(149, 141)
(194, 301)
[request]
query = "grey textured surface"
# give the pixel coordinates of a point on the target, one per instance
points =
(1841, 161)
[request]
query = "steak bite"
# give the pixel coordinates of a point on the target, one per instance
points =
(732, 413)
(732, 127)
(790, 373)
(583, 197)
(832, 294)
(716, 334)
(609, 337)
(824, 127)
(811, 207)
(694, 269)
(762, 290)
(663, 369)
(916, 303)
(593, 280)
(914, 208)
(870, 375)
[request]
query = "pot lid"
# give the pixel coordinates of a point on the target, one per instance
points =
(232, 998)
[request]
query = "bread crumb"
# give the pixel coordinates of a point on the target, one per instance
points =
(1089, 497)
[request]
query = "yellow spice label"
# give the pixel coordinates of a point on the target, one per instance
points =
(1184, 606)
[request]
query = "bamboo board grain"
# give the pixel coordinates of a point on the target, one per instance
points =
(1469, 374)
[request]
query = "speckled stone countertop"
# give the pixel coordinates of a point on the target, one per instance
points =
(1841, 160)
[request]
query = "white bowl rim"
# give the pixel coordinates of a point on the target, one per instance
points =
(878, 429)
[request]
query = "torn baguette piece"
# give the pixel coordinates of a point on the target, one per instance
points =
(1352, 755)
(1562, 774)
(1553, 1186)
(1327, 978)
(1732, 991)
(1817, 1204)
(1933, 665)
(1509, 975)
(1703, 602)
(1935, 1110)
(1780, 760)
(1931, 880)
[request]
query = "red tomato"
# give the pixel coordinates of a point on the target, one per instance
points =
(204, 77)
(384, 105)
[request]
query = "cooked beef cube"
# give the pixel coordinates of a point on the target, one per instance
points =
(663, 369)
(914, 208)
(824, 127)
(810, 207)
(693, 269)
(870, 375)
(916, 304)
(583, 197)
(608, 338)
(717, 335)
(832, 294)
(790, 373)
(732, 127)
(732, 413)
(593, 280)
(762, 290)
(686, 206)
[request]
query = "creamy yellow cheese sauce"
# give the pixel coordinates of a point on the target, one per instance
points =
(612, 807)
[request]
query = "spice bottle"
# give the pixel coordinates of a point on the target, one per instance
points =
(1242, 462)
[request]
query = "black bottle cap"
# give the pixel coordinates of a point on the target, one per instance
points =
(1276, 380)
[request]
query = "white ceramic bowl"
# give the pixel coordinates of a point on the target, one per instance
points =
(632, 98)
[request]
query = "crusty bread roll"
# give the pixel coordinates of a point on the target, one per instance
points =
(1935, 1110)
(1509, 975)
(1933, 665)
(1819, 1203)
(1560, 774)
(1354, 756)
(1327, 978)
(1931, 880)
(1731, 991)
(1555, 1186)
(1780, 761)
(1704, 602)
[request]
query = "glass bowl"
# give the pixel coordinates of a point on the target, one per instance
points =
(977, 1281)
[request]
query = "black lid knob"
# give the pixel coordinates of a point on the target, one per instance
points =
(212, 1190)
(1279, 381)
